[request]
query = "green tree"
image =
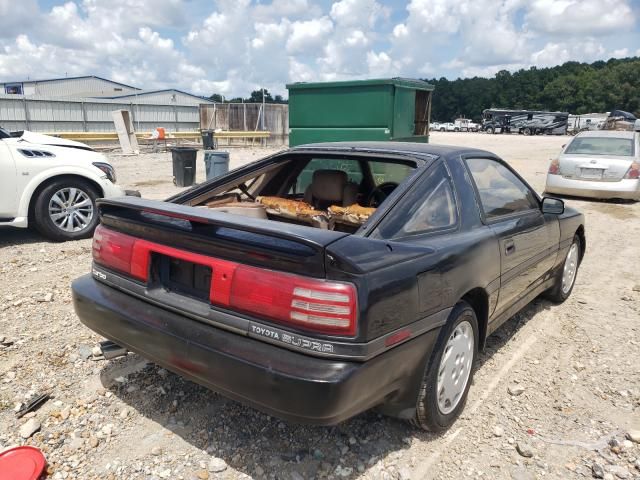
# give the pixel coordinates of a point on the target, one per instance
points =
(256, 97)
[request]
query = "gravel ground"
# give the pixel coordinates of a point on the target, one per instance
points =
(556, 393)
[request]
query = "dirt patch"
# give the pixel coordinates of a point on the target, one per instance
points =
(618, 211)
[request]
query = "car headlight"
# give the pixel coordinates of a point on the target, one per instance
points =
(107, 169)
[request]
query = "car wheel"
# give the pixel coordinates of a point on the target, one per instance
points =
(489, 130)
(566, 276)
(527, 131)
(442, 129)
(66, 210)
(449, 372)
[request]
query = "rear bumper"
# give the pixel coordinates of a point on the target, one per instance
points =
(625, 189)
(278, 381)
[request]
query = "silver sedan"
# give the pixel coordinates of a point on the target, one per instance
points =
(598, 164)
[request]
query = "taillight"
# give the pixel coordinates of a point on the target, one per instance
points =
(554, 167)
(114, 250)
(634, 172)
(318, 305)
(323, 306)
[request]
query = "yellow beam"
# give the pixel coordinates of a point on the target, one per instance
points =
(112, 136)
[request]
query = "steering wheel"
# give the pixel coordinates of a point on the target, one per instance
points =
(380, 193)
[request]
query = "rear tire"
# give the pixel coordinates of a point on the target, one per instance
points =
(490, 130)
(566, 276)
(449, 371)
(66, 210)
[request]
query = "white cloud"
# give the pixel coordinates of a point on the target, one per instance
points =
(621, 53)
(555, 53)
(235, 46)
(357, 13)
(309, 36)
(380, 64)
(580, 16)
(289, 9)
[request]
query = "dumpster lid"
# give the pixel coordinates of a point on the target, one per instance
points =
(397, 82)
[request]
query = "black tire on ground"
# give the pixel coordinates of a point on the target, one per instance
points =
(557, 293)
(490, 130)
(442, 129)
(428, 413)
(527, 131)
(46, 226)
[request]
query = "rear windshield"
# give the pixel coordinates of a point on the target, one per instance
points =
(601, 146)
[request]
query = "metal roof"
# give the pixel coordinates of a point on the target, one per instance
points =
(397, 82)
(72, 78)
(149, 92)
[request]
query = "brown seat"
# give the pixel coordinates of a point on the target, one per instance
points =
(330, 187)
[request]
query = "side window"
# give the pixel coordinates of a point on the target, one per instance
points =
(352, 167)
(501, 191)
(430, 206)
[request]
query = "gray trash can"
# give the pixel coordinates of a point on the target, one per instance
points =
(216, 163)
(184, 166)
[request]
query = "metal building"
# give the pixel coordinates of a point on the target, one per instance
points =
(68, 87)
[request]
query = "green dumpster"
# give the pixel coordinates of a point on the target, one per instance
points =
(385, 109)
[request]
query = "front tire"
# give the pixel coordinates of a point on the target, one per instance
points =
(66, 210)
(566, 276)
(449, 371)
(490, 130)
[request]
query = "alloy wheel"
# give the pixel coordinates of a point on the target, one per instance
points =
(71, 209)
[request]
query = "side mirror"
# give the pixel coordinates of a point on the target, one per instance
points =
(551, 205)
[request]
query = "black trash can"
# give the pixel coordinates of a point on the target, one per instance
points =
(208, 142)
(184, 165)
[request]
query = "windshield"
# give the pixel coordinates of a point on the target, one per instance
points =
(601, 146)
(4, 133)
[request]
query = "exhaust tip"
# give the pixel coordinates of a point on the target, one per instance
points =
(111, 350)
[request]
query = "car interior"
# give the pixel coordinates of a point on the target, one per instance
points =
(329, 192)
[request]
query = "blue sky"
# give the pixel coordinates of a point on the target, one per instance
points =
(234, 46)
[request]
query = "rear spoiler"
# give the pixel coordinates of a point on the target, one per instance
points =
(268, 243)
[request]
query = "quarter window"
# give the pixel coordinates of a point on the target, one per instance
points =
(430, 206)
(501, 191)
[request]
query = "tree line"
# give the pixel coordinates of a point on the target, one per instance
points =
(573, 87)
(255, 97)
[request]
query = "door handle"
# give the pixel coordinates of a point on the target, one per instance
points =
(509, 247)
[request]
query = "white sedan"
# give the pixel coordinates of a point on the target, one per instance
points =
(52, 184)
(598, 164)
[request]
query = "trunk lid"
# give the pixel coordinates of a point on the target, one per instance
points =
(595, 167)
(262, 243)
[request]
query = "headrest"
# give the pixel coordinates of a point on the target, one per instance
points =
(328, 185)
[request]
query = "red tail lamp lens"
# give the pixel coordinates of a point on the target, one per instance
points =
(113, 249)
(634, 172)
(319, 305)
